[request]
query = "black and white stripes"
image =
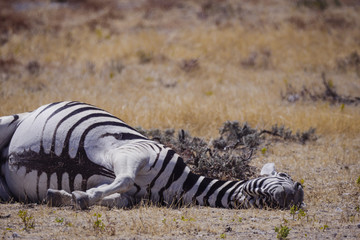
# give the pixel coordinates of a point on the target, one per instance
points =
(98, 158)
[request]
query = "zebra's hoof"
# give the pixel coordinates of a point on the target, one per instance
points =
(81, 200)
(56, 198)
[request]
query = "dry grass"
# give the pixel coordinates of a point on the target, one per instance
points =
(130, 61)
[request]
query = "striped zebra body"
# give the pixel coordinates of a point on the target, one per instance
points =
(71, 152)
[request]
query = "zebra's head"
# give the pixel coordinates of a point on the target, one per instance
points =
(285, 191)
(272, 189)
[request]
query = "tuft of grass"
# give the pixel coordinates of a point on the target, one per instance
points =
(98, 224)
(59, 220)
(294, 210)
(27, 219)
(324, 227)
(187, 219)
(282, 232)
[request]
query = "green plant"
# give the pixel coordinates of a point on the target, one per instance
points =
(342, 107)
(358, 181)
(27, 219)
(323, 228)
(59, 220)
(239, 219)
(187, 219)
(301, 213)
(263, 150)
(68, 223)
(294, 210)
(98, 225)
(282, 232)
(223, 236)
(302, 181)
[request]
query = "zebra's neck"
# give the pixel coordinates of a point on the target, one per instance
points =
(210, 192)
(174, 183)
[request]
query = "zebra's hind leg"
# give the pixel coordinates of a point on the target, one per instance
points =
(84, 200)
(127, 161)
(58, 198)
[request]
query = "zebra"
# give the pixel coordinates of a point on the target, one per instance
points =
(73, 153)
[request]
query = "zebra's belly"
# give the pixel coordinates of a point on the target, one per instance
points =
(32, 185)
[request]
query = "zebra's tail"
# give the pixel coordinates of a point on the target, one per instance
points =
(8, 125)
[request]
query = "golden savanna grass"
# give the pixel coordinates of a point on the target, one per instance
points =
(194, 65)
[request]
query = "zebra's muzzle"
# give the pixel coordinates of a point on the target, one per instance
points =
(289, 195)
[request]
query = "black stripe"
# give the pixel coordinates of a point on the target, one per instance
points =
(175, 175)
(212, 189)
(261, 182)
(190, 181)
(221, 194)
(259, 186)
(131, 136)
(60, 109)
(47, 107)
(138, 189)
(73, 113)
(16, 117)
(239, 184)
(166, 161)
(249, 186)
(156, 159)
(203, 185)
(66, 106)
(125, 136)
(83, 119)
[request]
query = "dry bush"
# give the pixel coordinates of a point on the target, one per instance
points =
(227, 157)
(11, 20)
(349, 62)
(329, 94)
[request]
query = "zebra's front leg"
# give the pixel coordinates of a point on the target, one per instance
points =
(84, 200)
(117, 200)
(58, 198)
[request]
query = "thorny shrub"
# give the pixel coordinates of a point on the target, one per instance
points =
(227, 156)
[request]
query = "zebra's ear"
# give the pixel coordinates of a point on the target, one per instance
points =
(268, 170)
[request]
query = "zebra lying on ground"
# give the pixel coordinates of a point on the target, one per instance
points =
(75, 153)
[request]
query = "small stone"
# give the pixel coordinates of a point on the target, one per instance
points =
(15, 235)
(338, 209)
